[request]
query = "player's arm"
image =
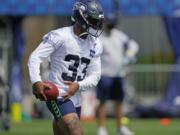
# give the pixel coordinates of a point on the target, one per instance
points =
(42, 52)
(133, 48)
(131, 51)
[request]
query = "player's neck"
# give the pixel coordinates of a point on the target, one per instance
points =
(77, 30)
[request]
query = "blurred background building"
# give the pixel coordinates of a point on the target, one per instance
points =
(153, 82)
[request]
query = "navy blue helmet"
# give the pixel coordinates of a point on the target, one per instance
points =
(89, 15)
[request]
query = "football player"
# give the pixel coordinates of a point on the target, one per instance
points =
(118, 51)
(74, 53)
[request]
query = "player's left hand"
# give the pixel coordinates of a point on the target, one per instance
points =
(73, 87)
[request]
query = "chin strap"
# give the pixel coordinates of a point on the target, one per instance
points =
(83, 34)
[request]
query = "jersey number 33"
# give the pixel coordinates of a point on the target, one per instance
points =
(77, 61)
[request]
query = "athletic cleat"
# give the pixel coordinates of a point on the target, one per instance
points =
(125, 131)
(102, 131)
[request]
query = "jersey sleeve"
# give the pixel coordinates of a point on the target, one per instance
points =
(53, 38)
(93, 72)
(49, 44)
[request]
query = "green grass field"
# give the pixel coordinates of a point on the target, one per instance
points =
(139, 126)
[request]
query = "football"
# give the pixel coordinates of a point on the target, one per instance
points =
(52, 92)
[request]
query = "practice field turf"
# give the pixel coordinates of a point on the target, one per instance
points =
(139, 126)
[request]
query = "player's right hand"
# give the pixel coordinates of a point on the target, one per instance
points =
(73, 88)
(38, 90)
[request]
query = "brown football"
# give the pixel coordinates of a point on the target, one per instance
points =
(52, 92)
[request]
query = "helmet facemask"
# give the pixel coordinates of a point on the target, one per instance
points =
(95, 26)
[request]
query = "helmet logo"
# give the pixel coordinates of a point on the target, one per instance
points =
(101, 16)
(82, 7)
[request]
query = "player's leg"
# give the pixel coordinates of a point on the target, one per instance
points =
(73, 123)
(118, 97)
(101, 114)
(55, 128)
(103, 93)
(68, 125)
(101, 118)
(118, 113)
(61, 129)
(66, 117)
(121, 129)
(71, 118)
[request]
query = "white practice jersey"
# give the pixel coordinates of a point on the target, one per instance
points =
(71, 59)
(117, 48)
